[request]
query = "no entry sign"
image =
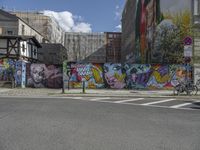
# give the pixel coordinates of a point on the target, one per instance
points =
(187, 40)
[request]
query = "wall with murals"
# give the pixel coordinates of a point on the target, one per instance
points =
(161, 26)
(44, 76)
(130, 76)
(12, 70)
(92, 74)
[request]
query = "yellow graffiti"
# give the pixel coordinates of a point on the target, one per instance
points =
(120, 77)
(97, 75)
(159, 78)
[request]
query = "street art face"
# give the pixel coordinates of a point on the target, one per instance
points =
(160, 29)
(41, 75)
(114, 76)
(92, 74)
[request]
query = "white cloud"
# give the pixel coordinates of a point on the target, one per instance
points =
(119, 27)
(82, 27)
(68, 21)
(118, 12)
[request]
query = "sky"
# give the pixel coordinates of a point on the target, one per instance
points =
(75, 15)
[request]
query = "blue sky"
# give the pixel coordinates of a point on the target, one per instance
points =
(91, 15)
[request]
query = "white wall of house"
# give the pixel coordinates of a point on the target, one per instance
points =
(24, 29)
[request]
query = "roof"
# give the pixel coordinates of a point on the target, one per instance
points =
(10, 16)
(22, 38)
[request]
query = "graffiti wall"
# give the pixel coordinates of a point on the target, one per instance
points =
(197, 76)
(160, 29)
(12, 70)
(130, 76)
(7, 69)
(92, 74)
(44, 76)
(114, 75)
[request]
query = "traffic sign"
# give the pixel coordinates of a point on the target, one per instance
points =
(187, 40)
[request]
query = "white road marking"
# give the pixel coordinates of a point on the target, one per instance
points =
(157, 102)
(98, 99)
(129, 100)
(76, 97)
(180, 105)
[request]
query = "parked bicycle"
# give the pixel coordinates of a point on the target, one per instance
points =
(188, 87)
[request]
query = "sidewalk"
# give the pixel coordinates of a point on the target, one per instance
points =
(44, 92)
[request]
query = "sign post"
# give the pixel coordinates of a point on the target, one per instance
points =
(187, 54)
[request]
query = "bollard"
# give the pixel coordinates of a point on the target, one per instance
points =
(83, 86)
(63, 87)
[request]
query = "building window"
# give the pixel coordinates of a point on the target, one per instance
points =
(196, 7)
(34, 51)
(10, 32)
(23, 29)
(1, 31)
(23, 48)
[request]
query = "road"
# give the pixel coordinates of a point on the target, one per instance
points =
(107, 123)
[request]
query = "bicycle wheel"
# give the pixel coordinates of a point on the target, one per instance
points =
(176, 90)
(194, 90)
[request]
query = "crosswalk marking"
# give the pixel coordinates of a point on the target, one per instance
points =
(77, 97)
(157, 102)
(180, 105)
(98, 99)
(129, 100)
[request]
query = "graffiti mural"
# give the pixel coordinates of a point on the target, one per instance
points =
(44, 76)
(92, 74)
(11, 70)
(18, 73)
(130, 76)
(160, 29)
(197, 76)
(114, 75)
(137, 76)
(159, 78)
(180, 73)
(7, 69)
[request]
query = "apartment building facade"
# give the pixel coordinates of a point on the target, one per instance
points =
(13, 25)
(46, 25)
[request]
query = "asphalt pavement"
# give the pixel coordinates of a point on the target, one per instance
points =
(85, 123)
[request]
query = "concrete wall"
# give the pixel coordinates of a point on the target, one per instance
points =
(86, 47)
(52, 53)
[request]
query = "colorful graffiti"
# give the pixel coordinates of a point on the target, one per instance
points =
(92, 74)
(114, 75)
(44, 76)
(160, 28)
(7, 69)
(156, 76)
(130, 76)
(11, 70)
(137, 76)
